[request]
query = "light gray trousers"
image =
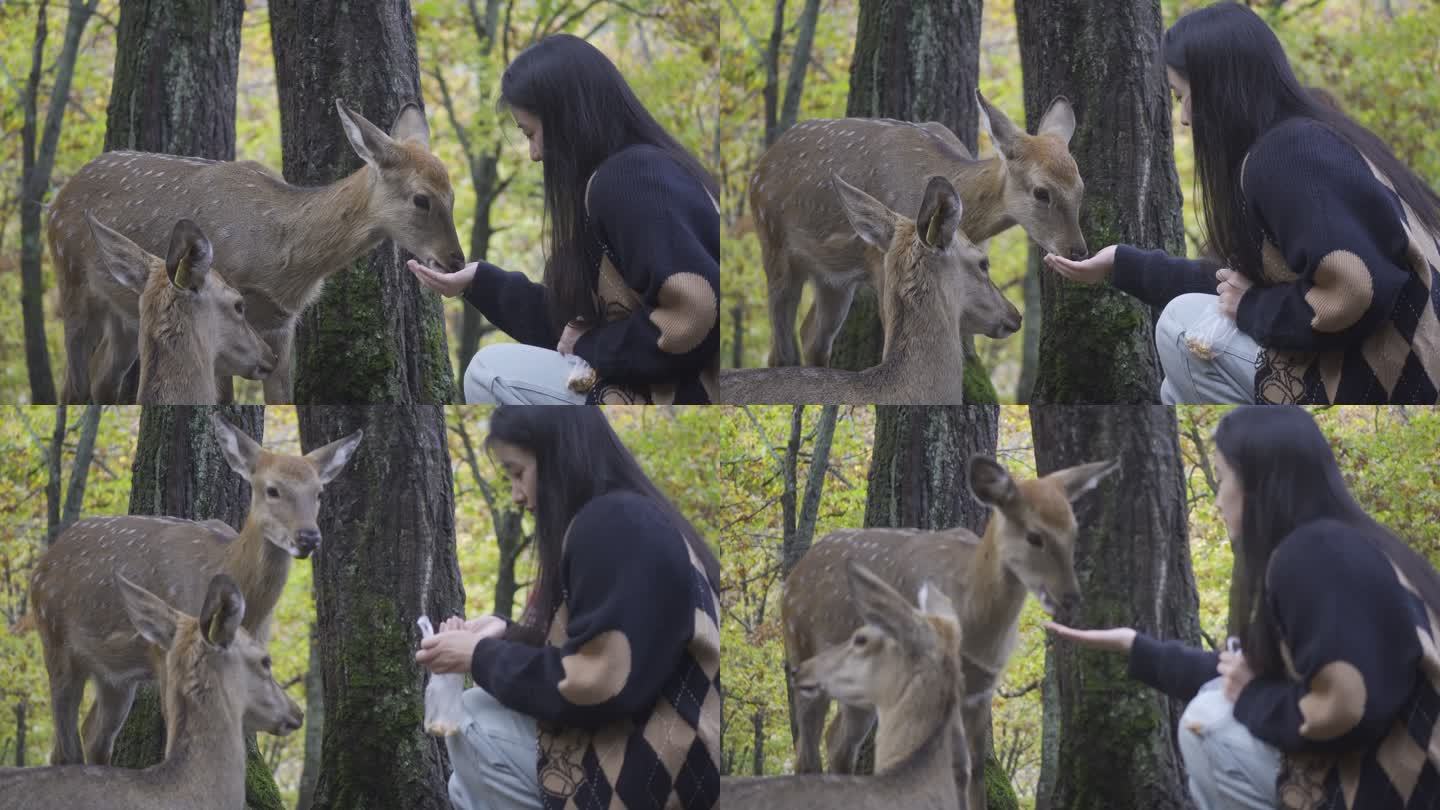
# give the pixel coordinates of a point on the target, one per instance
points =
(519, 374)
(1229, 768)
(494, 757)
(1228, 377)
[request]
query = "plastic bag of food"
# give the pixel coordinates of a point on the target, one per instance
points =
(582, 375)
(444, 709)
(1209, 334)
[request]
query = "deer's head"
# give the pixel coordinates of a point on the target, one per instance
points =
(929, 257)
(1035, 527)
(410, 189)
(285, 489)
(1043, 189)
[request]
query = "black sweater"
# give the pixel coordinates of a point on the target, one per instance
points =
(659, 228)
(1346, 303)
(626, 692)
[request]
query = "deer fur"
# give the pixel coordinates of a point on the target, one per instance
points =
(804, 235)
(936, 289)
(192, 323)
(1028, 547)
(905, 663)
(217, 684)
(274, 242)
(79, 611)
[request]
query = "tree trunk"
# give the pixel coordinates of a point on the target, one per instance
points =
(512, 540)
(20, 726)
(1097, 344)
(1033, 316)
(176, 67)
(314, 725)
(37, 164)
(80, 467)
(1133, 561)
(179, 471)
(485, 177)
(391, 517)
(918, 480)
(373, 335)
(914, 61)
(55, 462)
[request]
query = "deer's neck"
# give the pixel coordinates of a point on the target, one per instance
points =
(260, 568)
(994, 598)
(177, 365)
(204, 743)
(331, 227)
(981, 186)
(923, 355)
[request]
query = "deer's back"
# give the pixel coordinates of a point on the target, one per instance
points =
(794, 197)
(816, 608)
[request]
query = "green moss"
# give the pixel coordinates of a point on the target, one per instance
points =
(979, 390)
(999, 793)
(261, 793)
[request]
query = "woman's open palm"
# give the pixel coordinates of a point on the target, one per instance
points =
(1093, 270)
(1114, 639)
(447, 284)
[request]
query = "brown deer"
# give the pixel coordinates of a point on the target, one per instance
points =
(906, 664)
(217, 685)
(1032, 181)
(1028, 547)
(78, 610)
(936, 289)
(275, 243)
(192, 323)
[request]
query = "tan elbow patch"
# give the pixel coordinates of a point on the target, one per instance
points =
(598, 670)
(687, 312)
(1335, 702)
(1342, 293)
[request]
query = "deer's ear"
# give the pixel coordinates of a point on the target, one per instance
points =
(868, 216)
(1059, 120)
(410, 125)
(241, 452)
(124, 266)
(188, 260)
(155, 619)
(332, 458)
(934, 602)
(1080, 480)
(940, 211)
(991, 483)
(369, 141)
(1002, 131)
(881, 605)
(223, 611)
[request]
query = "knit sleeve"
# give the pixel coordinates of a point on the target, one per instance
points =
(664, 234)
(1345, 620)
(1173, 667)
(515, 304)
(1338, 229)
(1156, 278)
(630, 613)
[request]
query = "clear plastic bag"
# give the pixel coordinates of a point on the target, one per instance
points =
(444, 709)
(1213, 331)
(582, 375)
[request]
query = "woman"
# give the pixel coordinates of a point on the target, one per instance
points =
(615, 663)
(1332, 700)
(1331, 245)
(632, 275)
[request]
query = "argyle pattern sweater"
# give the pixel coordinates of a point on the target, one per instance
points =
(1346, 306)
(626, 692)
(653, 243)
(1356, 718)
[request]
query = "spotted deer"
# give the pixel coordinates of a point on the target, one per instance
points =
(937, 288)
(1028, 547)
(217, 684)
(192, 323)
(905, 663)
(274, 242)
(1032, 181)
(79, 611)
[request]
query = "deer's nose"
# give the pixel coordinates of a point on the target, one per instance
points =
(308, 540)
(457, 262)
(1078, 253)
(1071, 602)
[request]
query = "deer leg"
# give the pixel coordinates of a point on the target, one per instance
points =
(278, 389)
(823, 321)
(785, 286)
(67, 687)
(846, 735)
(975, 719)
(110, 364)
(102, 724)
(810, 722)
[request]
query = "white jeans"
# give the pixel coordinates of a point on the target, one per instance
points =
(1226, 378)
(1228, 768)
(517, 374)
(494, 757)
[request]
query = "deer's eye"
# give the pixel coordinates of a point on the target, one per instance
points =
(422, 202)
(1042, 196)
(272, 492)
(1035, 540)
(860, 641)
(240, 308)
(265, 662)
(985, 266)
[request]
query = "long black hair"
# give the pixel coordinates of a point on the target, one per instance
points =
(577, 457)
(587, 113)
(1288, 478)
(1242, 86)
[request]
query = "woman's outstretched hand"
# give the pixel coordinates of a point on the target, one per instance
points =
(447, 284)
(1093, 270)
(451, 649)
(1115, 639)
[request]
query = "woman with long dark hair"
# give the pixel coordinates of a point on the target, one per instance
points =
(1332, 698)
(1330, 245)
(614, 666)
(632, 269)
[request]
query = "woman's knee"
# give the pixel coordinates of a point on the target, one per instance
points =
(1181, 315)
(484, 368)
